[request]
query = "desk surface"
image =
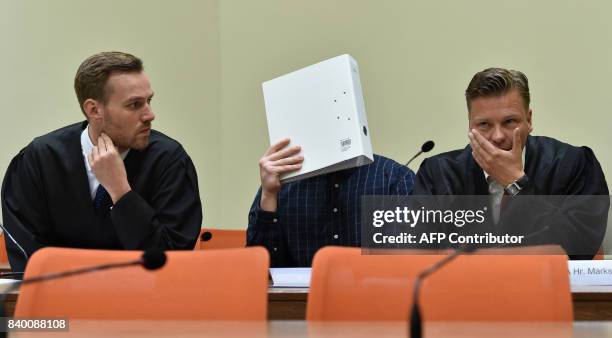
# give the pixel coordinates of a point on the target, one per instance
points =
(576, 289)
(323, 329)
(5, 267)
(590, 303)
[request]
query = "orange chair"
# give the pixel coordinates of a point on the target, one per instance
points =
(213, 285)
(347, 285)
(3, 254)
(221, 239)
(599, 255)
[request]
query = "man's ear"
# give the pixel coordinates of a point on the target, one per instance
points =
(92, 109)
(529, 114)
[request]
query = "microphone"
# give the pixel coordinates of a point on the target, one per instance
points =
(426, 147)
(11, 274)
(416, 322)
(152, 259)
(206, 236)
(6, 233)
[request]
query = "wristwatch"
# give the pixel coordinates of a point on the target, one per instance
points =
(515, 187)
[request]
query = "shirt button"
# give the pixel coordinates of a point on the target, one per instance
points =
(335, 236)
(335, 209)
(275, 220)
(336, 185)
(275, 249)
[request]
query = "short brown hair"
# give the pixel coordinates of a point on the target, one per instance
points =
(91, 77)
(497, 82)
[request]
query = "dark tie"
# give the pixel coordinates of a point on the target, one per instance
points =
(102, 202)
(504, 202)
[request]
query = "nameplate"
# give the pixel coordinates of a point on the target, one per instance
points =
(590, 272)
(290, 277)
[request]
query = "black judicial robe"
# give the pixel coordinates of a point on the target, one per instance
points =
(554, 168)
(46, 200)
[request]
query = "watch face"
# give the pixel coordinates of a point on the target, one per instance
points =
(512, 189)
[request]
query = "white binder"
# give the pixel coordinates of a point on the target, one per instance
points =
(320, 108)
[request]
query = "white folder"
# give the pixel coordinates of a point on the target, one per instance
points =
(321, 109)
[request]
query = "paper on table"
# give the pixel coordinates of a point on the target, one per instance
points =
(596, 272)
(8, 281)
(290, 277)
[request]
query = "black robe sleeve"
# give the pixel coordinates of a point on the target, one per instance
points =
(23, 208)
(565, 203)
(424, 184)
(173, 218)
(574, 215)
(46, 204)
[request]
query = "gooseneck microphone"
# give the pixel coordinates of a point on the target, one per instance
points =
(416, 322)
(8, 236)
(426, 147)
(11, 274)
(151, 260)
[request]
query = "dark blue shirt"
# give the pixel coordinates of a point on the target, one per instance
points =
(323, 210)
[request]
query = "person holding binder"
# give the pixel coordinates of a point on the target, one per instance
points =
(296, 219)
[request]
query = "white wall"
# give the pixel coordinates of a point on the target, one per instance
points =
(207, 60)
(416, 59)
(44, 42)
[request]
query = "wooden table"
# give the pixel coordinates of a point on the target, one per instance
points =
(287, 303)
(5, 267)
(284, 328)
(590, 303)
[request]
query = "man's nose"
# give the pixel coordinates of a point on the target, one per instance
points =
(498, 137)
(148, 116)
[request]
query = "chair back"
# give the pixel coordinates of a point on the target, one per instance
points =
(214, 284)
(347, 285)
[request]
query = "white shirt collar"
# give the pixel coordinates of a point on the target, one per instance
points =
(87, 148)
(87, 145)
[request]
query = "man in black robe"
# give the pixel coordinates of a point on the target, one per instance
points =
(503, 160)
(110, 182)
